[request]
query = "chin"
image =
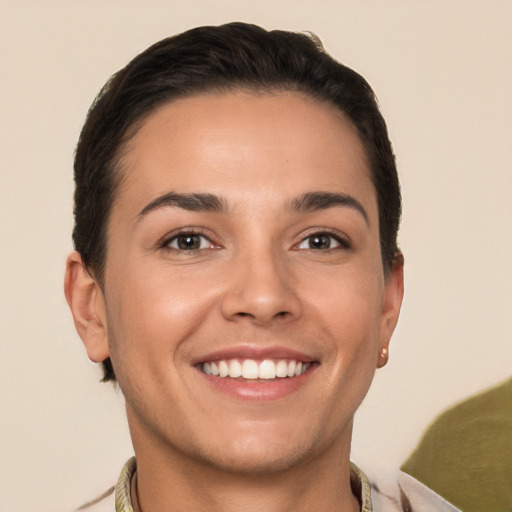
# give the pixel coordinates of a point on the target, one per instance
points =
(258, 461)
(260, 454)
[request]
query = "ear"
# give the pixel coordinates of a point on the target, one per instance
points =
(393, 295)
(87, 305)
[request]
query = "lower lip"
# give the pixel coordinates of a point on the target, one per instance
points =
(273, 389)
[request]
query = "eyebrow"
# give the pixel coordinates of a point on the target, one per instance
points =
(314, 201)
(193, 202)
(204, 202)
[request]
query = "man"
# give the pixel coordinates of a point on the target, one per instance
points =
(236, 268)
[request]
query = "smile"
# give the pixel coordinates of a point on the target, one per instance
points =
(252, 369)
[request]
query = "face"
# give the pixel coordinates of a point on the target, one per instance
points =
(244, 305)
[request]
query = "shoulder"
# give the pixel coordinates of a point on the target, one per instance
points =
(405, 493)
(103, 503)
(117, 497)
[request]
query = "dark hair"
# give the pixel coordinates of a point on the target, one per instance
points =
(229, 57)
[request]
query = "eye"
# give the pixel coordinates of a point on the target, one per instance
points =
(323, 242)
(189, 242)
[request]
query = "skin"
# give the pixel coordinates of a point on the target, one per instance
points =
(254, 283)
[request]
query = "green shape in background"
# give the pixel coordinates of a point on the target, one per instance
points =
(465, 455)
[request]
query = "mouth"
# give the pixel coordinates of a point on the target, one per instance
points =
(255, 370)
(248, 372)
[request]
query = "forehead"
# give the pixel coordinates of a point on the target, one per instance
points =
(246, 147)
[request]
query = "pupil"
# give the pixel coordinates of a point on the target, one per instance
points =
(320, 242)
(188, 242)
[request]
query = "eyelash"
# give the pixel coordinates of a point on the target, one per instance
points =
(167, 243)
(341, 241)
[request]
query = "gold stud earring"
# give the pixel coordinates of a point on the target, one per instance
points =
(383, 357)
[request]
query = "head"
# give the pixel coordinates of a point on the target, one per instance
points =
(233, 57)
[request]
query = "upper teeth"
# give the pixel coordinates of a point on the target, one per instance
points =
(252, 369)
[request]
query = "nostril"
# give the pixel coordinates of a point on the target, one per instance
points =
(278, 315)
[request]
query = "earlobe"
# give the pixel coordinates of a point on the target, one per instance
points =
(393, 295)
(85, 299)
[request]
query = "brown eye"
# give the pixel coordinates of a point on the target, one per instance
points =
(322, 242)
(189, 242)
(319, 242)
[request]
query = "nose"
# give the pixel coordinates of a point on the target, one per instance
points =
(261, 289)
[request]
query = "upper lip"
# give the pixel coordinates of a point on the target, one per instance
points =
(254, 352)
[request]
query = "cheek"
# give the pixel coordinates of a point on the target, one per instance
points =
(348, 317)
(150, 314)
(348, 303)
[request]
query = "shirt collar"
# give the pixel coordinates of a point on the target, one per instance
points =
(361, 488)
(123, 499)
(358, 481)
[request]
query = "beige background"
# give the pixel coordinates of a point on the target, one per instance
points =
(443, 73)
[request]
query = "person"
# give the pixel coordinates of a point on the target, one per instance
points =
(236, 269)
